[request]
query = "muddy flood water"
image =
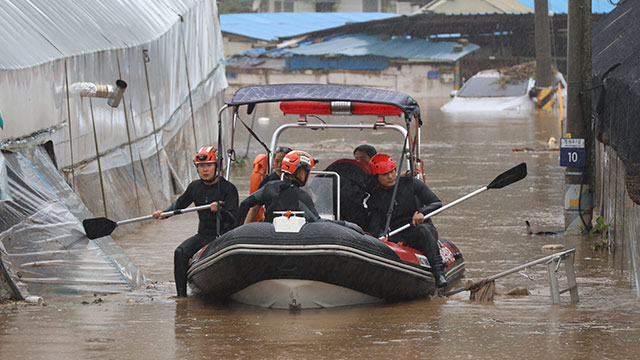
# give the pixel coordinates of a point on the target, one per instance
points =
(462, 154)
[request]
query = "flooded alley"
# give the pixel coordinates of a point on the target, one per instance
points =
(462, 153)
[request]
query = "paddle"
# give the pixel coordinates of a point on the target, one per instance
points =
(508, 177)
(99, 227)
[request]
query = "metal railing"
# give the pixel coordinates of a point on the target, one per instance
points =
(553, 262)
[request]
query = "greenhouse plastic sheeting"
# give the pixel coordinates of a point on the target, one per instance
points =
(150, 44)
(616, 81)
(43, 248)
(169, 52)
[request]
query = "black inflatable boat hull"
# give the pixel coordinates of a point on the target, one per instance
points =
(331, 264)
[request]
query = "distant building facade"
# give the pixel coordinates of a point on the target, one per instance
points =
(418, 67)
(241, 32)
(475, 7)
(402, 7)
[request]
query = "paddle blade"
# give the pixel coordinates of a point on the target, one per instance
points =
(508, 177)
(98, 227)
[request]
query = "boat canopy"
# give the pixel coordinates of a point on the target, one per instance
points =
(325, 92)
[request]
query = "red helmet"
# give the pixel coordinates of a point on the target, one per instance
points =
(296, 159)
(381, 164)
(206, 155)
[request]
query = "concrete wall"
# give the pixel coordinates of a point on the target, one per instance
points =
(234, 44)
(407, 77)
(619, 211)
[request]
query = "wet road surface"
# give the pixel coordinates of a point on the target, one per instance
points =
(462, 154)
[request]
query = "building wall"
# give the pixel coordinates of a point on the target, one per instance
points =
(304, 6)
(418, 79)
(350, 6)
(619, 211)
(234, 44)
(474, 7)
(394, 6)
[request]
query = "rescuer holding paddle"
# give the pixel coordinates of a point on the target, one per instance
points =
(413, 200)
(220, 218)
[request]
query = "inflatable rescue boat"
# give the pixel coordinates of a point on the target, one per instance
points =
(291, 264)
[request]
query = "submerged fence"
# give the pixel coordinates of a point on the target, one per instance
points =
(620, 228)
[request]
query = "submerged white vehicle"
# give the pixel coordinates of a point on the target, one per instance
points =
(485, 92)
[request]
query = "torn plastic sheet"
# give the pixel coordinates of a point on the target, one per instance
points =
(43, 248)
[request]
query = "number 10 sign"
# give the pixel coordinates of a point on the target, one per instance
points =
(572, 152)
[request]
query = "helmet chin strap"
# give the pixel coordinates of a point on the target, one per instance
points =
(212, 181)
(297, 179)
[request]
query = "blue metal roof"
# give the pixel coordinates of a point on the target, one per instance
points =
(562, 6)
(271, 26)
(396, 47)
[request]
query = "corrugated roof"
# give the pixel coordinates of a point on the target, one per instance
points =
(562, 6)
(271, 26)
(397, 47)
(37, 31)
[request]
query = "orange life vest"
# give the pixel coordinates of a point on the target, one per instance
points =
(260, 167)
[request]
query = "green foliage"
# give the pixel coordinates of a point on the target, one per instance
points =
(601, 228)
(240, 162)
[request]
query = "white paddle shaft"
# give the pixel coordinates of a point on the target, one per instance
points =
(165, 214)
(439, 210)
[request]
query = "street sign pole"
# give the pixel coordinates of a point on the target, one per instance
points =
(578, 154)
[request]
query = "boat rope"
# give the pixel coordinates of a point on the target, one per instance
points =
(255, 136)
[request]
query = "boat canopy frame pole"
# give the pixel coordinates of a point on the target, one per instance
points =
(220, 137)
(226, 168)
(231, 153)
(322, 126)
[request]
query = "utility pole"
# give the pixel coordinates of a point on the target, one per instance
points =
(544, 77)
(576, 148)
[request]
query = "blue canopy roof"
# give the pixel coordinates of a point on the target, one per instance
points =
(325, 92)
(271, 26)
(396, 47)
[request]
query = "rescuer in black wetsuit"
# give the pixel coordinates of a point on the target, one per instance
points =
(284, 195)
(364, 153)
(413, 200)
(209, 189)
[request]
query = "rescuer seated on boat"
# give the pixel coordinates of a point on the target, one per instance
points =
(276, 165)
(285, 194)
(255, 212)
(364, 153)
(209, 189)
(412, 202)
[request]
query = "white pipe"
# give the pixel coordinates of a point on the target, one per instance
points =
(87, 89)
